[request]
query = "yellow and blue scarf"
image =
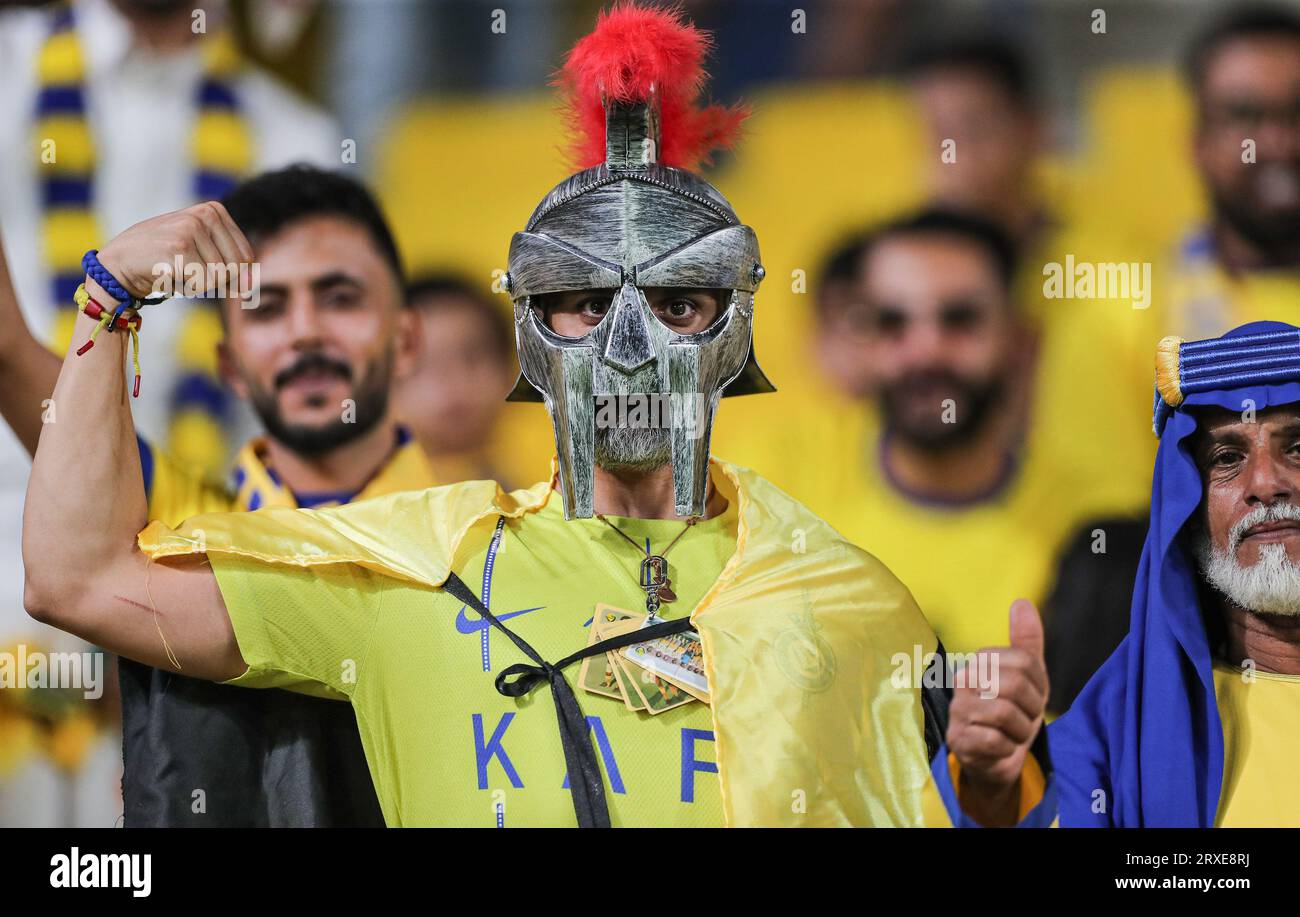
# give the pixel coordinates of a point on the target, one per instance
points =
(256, 485)
(221, 149)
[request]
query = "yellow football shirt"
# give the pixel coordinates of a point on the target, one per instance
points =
(1261, 720)
(1201, 300)
(444, 747)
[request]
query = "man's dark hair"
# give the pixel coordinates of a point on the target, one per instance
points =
(1249, 21)
(265, 204)
(987, 235)
(432, 291)
(998, 60)
(839, 266)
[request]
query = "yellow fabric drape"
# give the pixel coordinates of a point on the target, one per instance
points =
(800, 635)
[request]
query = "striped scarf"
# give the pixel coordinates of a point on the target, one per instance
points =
(221, 150)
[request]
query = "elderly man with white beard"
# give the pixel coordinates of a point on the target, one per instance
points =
(1193, 720)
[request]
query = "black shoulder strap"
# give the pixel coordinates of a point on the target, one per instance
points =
(588, 788)
(934, 702)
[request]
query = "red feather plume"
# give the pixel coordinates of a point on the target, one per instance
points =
(632, 49)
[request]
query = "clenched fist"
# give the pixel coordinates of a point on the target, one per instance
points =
(203, 234)
(991, 736)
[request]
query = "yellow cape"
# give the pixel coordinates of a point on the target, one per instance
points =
(800, 633)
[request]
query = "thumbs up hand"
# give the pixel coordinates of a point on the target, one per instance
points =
(991, 735)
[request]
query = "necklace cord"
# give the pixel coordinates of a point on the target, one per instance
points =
(628, 538)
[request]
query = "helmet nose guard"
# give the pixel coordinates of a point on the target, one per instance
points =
(629, 346)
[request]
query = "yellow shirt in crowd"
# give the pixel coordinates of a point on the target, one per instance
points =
(1097, 355)
(1261, 720)
(1201, 300)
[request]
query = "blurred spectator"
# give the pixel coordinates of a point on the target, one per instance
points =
(935, 476)
(466, 367)
(840, 346)
(1244, 73)
(976, 99)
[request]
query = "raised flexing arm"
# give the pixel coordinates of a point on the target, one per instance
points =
(86, 501)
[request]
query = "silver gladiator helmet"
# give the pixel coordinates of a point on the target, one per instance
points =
(625, 225)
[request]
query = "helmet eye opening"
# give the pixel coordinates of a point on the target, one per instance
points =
(691, 315)
(572, 315)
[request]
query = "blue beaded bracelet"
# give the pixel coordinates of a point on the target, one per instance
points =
(100, 274)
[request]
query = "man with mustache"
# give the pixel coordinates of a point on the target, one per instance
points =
(442, 614)
(315, 355)
(1192, 721)
(939, 478)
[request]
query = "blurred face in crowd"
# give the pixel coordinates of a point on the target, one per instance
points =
(942, 335)
(843, 351)
(317, 355)
(1248, 544)
(685, 311)
(996, 139)
(1250, 90)
(464, 372)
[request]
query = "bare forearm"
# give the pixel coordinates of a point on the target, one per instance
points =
(28, 370)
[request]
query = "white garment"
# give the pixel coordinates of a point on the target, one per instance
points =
(141, 109)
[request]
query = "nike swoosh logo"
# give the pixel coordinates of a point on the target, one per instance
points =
(466, 626)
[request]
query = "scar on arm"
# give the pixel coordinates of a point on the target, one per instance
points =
(153, 608)
(141, 605)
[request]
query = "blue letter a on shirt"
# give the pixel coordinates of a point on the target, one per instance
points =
(606, 753)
